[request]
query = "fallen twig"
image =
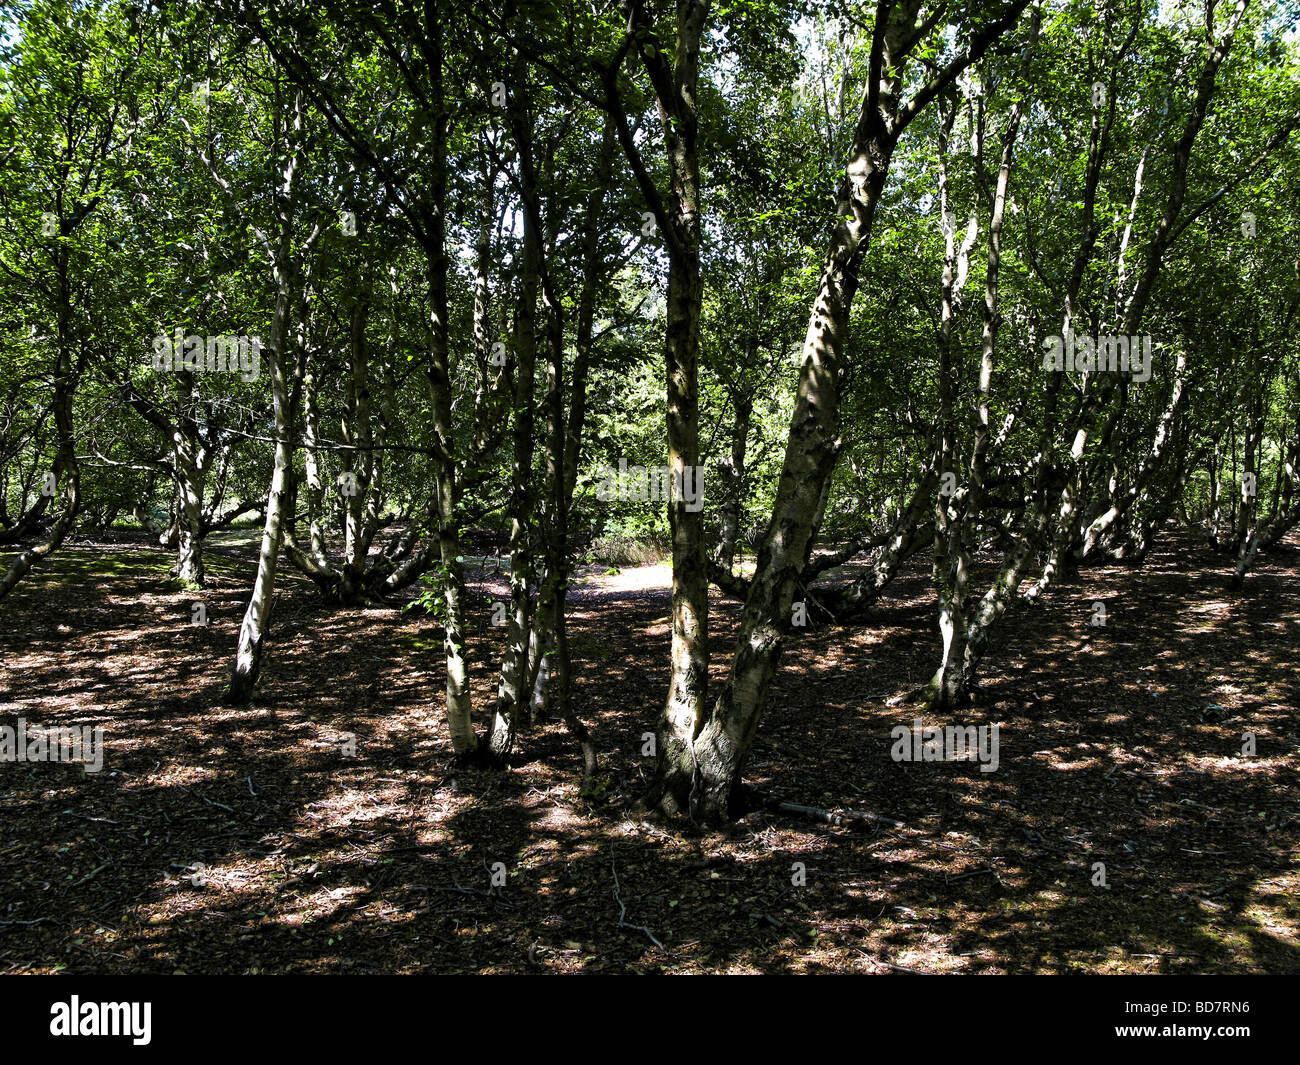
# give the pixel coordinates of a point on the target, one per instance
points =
(826, 817)
(99, 820)
(891, 965)
(92, 874)
(622, 907)
(208, 801)
(974, 872)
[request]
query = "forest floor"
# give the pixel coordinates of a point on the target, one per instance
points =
(240, 841)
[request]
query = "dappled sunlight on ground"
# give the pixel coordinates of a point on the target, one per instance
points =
(324, 828)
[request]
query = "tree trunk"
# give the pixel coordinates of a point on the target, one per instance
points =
(257, 616)
(512, 689)
(955, 511)
(459, 706)
(284, 395)
(191, 467)
(679, 224)
(733, 472)
(66, 470)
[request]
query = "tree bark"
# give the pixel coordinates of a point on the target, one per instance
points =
(285, 392)
(257, 616)
(512, 690)
(679, 223)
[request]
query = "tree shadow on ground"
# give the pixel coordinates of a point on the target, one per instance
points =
(254, 839)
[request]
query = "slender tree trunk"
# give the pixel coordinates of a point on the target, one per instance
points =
(733, 472)
(954, 508)
(358, 460)
(285, 392)
(257, 616)
(688, 686)
(459, 706)
(512, 690)
(191, 467)
(1147, 469)
(909, 534)
(1249, 531)
(66, 470)
(679, 224)
(557, 560)
(594, 267)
